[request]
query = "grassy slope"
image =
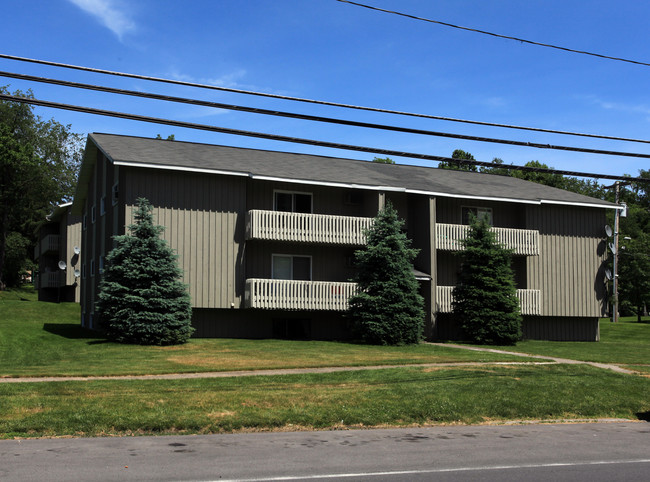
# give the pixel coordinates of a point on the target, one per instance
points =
(391, 397)
(40, 339)
(625, 343)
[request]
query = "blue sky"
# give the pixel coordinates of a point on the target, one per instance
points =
(328, 50)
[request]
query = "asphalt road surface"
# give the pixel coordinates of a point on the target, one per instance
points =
(558, 452)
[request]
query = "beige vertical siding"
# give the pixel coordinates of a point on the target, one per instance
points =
(204, 220)
(568, 269)
(504, 214)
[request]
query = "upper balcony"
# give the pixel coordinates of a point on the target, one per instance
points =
(308, 228)
(522, 241)
(49, 244)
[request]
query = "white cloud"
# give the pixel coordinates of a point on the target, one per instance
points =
(111, 14)
(621, 106)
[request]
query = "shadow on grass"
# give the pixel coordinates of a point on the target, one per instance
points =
(73, 331)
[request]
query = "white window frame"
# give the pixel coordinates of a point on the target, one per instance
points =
(480, 210)
(293, 199)
(291, 256)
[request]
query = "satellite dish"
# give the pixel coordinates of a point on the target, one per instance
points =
(77, 273)
(608, 274)
(612, 248)
(62, 265)
(77, 250)
(608, 230)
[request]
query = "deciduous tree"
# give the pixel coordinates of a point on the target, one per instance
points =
(39, 161)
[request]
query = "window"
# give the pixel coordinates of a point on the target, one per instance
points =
(102, 206)
(101, 265)
(291, 267)
(292, 202)
(480, 213)
(93, 214)
(92, 267)
(83, 270)
(84, 221)
(115, 194)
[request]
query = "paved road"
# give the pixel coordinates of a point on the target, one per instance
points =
(594, 452)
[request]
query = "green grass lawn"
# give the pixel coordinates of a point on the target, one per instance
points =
(45, 339)
(40, 339)
(624, 343)
(390, 397)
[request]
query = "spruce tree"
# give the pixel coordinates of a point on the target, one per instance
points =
(485, 298)
(141, 298)
(387, 309)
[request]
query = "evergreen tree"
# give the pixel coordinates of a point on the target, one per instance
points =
(387, 310)
(141, 299)
(485, 298)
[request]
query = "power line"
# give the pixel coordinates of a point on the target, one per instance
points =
(531, 42)
(313, 101)
(299, 140)
(329, 120)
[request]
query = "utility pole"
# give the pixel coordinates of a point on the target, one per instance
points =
(615, 252)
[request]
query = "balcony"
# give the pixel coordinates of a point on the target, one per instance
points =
(308, 228)
(275, 294)
(49, 244)
(529, 300)
(54, 279)
(522, 241)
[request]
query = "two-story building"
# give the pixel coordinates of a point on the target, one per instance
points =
(266, 239)
(57, 254)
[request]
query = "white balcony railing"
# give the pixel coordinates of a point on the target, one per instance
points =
(54, 279)
(522, 241)
(529, 300)
(311, 228)
(275, 294)
(49, 244)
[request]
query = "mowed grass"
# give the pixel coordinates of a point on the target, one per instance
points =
(45, 339)
(378, 398)
(624, 343)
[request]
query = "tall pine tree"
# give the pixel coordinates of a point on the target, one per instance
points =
(141, 298)
(387, 310)
(485, 298)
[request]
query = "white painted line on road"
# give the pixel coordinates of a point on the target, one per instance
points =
(436, 471)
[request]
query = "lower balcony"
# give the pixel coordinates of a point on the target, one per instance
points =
(275, 294)
(529, 300)
(48, 244)
(309, 228)
(53, 279)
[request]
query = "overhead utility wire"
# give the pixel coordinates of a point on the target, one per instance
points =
(531, 42)
(313, 101)
(299, 140)
(329, 120)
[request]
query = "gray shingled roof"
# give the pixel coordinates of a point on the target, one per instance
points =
(321, 169)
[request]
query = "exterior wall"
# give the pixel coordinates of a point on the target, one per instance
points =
(204, 220)
(504, 214)
(569, 269)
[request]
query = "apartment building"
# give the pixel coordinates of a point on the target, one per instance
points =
(266, 239)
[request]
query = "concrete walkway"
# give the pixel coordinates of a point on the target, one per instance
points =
(606, 366)
(293, 371)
